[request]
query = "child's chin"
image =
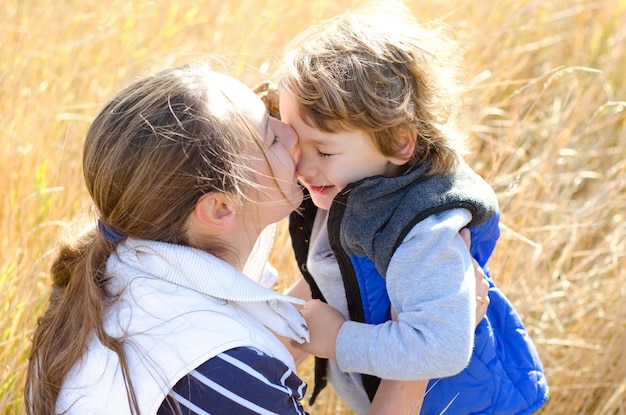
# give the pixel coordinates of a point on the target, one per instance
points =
(322, 201)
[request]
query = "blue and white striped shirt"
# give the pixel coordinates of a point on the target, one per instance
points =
(239, 381)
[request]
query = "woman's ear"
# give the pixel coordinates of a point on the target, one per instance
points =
(405, 139)
(215, 210)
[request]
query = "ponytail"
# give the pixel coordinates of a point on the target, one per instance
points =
(74, 315)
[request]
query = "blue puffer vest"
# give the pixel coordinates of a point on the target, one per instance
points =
(505, 374)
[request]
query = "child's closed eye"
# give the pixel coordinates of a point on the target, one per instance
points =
(322, 154)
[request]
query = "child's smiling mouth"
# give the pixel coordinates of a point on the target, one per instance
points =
(320, 189)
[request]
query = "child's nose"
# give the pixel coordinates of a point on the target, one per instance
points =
(304, 167)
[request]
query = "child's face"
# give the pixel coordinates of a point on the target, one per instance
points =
(328, 162)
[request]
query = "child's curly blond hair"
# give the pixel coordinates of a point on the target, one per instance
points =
(376, 70)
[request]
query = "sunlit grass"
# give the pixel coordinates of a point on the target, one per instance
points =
(546, 111)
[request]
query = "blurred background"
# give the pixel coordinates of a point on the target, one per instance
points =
(546, 112)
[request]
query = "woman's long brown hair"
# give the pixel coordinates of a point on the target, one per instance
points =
(148, 156)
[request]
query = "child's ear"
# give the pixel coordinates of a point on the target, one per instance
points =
(405, 139)
(215, 210)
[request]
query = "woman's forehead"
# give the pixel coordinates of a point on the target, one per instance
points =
(231, 95)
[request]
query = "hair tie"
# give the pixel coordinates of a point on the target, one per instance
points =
(108, 233)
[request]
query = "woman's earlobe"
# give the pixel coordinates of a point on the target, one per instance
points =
(214, 210)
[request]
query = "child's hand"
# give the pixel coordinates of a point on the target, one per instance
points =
(324, 323)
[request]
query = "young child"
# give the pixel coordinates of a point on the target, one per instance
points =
(373, 98)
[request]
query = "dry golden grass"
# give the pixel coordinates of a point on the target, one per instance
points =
(546, 112)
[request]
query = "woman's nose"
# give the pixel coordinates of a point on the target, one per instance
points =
(294, 151)
(291, 143)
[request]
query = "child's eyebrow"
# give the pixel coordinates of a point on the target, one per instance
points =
(325, 141)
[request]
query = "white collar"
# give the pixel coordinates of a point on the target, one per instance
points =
(202, 272)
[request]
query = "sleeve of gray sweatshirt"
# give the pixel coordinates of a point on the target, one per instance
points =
(431, 285)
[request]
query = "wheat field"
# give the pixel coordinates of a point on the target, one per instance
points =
(546, 112)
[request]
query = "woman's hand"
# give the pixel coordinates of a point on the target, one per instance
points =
(324, 323)
(482, 286)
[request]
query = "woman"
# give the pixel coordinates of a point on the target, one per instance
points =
(185, 169)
